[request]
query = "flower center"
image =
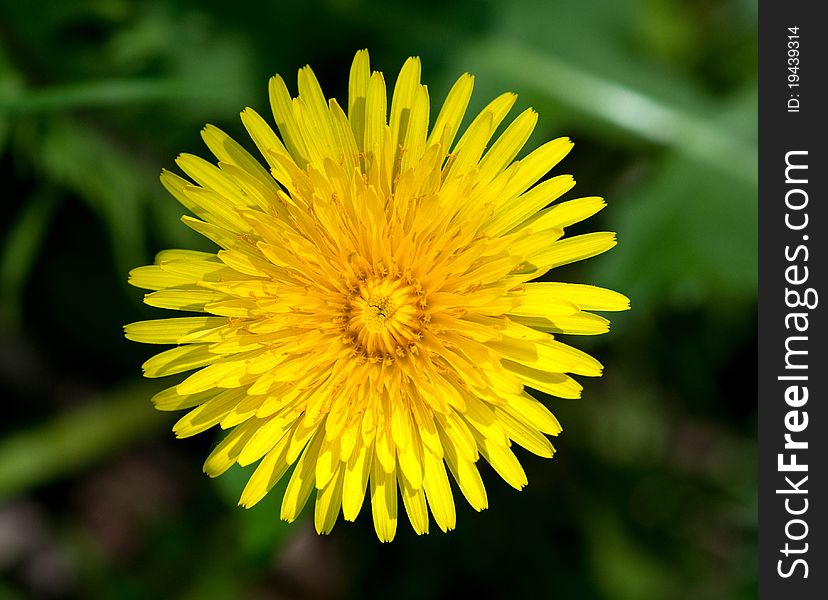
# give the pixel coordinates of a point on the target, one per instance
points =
(384, 317)
(377, 312)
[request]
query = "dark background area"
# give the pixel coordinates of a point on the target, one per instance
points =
(652, 491)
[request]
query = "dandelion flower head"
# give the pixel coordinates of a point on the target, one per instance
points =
(369, 323)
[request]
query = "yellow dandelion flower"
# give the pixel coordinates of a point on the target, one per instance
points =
(369, 319)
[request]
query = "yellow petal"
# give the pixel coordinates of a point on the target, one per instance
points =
(573, 249)
(468, 478)
(505, 463)
(183, 299)
(481, 417)
(170, 331)
(357, 96)
(328, 502)
(356, 478)
(451, 113)
(227, 372)
(344, 138)
(153, 277)
(585, 297)
(537, 164)
(459, 434)
(317, 134)
(542, 351)
(270, 432)
(302, 433)
(402, 101)
(170, 399)
(267, 474)
(208, 414)
(411, 459)
(473, 142)
(581, 323)
(507, 146)
(438, 491)
(315, 119)
(208, 176)
(522, 432)
(416, 508)
(565, 214)
(221, 236)
(268, 144)
(535, 302)
(225, 453)
(375, 112)
(301, 482)
(282, 106)
(511, 212)
(327, 464)
(217, 208)
(178, 360)
(414, 138)
(230, 152)
(383, 501)
(529, 409)
(243, 411)
(556, 384)
(384, 449)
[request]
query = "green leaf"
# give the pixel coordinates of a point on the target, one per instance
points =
(10, 85)
(261, 531)
(24, 238)
(107, 178)
(620, 105)
(688, 236)
(621, 567)
(77, 438)
(92, 94)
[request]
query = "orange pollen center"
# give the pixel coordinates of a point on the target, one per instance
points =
(385, 317)
(377, 312)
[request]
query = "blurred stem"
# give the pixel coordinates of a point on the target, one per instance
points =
(78, 438)
(20, 249)
(93, 94)
(622, 106)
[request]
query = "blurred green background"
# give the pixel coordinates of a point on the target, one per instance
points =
(652, 492)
